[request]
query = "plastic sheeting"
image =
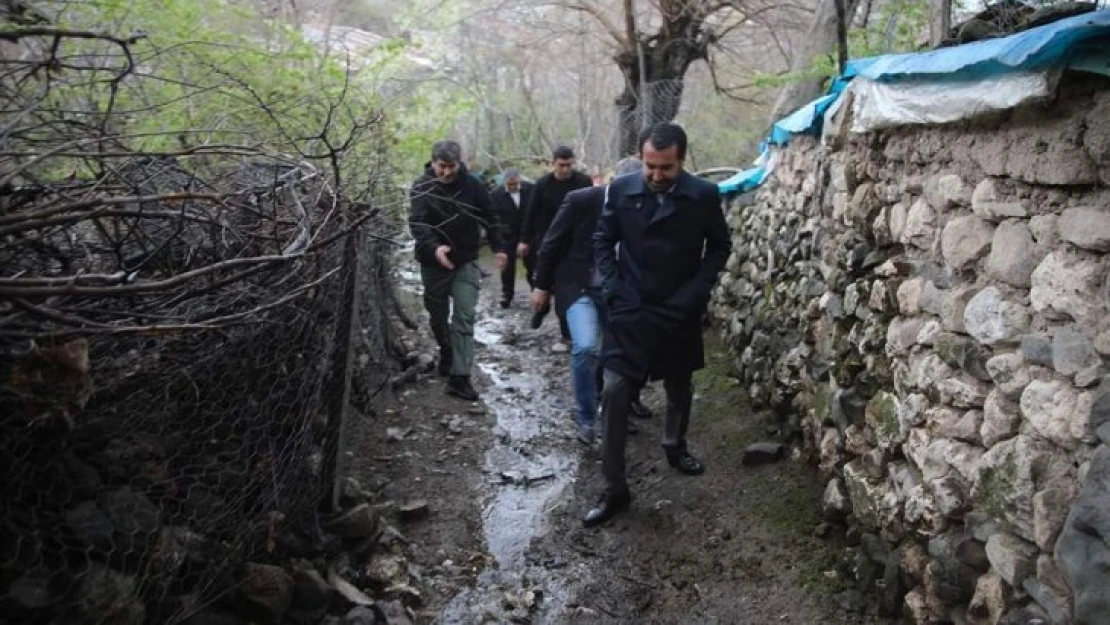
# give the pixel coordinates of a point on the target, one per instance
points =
(1037, 48)
(878, 105)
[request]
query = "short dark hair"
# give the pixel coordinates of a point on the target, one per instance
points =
(447, 151)
(511, 173)
(562, 152)
(663, 135)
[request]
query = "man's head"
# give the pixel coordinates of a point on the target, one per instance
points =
(626, 166)
(562, 162)
(512, 180)
(663, 151)
(446, 157)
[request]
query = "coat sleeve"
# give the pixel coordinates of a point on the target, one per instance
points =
(555, 244)
(606, 237)
(692, 297)
(528, 226)
(424, 230)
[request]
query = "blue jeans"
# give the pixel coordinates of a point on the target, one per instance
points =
(585, 350)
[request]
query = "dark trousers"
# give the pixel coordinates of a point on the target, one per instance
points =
(508, 277)
(530, 267)
(615, 402)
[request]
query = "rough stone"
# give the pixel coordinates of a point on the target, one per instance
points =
(988, 202)
(1087, 227)
(1044, 229)
(865, 493)
(963, 392)
(920, 230)
(1050, 407)
(961, 352)
(902, 334)
(992, 597)
(836, 503)
(1009, 373)
(413, 510)
(947, 191)
(762, 453)
(898, 216)
(955, 424)
(1100, 410)
(1053, 595)
(915, 607)
(1065, 286)
(360, 615)
(955, 305)
(1083, 550)
(1001, 419)
(267, 591)
(966, 240)
(929, 332)
(909, 293)
(991, 319)
(1011, 557)
(965, 459)
(882, 416)
(950, 496)
(1010, 473)
(1037, 349)
(1072, 352)
(358, 522)
(311, 592)
(1014, 255)
(1050, 510)
(1090, 376)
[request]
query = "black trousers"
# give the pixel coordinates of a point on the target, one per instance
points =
(615, 402)
(508, 278)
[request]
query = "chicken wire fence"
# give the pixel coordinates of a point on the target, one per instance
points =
(180, 331)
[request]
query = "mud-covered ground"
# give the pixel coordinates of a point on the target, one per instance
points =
(506, 485)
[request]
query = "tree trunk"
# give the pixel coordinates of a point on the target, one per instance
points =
(820, 40)
(940, 20)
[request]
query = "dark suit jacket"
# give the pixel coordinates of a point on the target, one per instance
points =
(566, 256)
(511, 216)
(657, 289)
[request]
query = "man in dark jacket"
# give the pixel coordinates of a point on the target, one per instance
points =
(449, 207)
(547, 197)
(566, 268)
(510, 200)
(673, 242)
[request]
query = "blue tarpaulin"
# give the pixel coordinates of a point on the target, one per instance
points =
(1082, 38)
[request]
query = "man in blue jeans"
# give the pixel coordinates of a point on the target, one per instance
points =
(565, 266)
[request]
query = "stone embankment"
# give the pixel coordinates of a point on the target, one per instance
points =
(928, 308)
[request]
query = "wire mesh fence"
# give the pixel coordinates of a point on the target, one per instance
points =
(180, 331)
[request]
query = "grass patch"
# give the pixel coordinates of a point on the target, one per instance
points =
(812, 573)
(783, 501)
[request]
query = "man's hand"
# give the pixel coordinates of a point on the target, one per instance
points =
(502, 260)
(522, 249)
(441, 257)
(540, 300)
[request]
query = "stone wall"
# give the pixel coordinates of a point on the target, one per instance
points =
(928, 308)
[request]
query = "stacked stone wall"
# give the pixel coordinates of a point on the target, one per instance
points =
(928, 309)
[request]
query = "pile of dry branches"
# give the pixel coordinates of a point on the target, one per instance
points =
(171, 322)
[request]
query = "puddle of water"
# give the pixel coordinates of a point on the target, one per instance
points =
(531, 442)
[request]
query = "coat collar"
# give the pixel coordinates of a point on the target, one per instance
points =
(683, 186)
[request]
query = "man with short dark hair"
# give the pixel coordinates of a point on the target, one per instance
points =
(510, 200)
(449, 208)
(547, 196)
(673, 242)
(565, 267)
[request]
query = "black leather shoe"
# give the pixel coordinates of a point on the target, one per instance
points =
(459, 386)
(639, 410)
(685, 462)
(607, 507)
(505, 303)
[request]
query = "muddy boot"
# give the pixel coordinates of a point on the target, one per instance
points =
(459, 386)
(684, 461)
(608, 507)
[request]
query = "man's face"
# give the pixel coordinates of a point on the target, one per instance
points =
(562, 167)
(661, 167)
(445, 171)
(512, 185)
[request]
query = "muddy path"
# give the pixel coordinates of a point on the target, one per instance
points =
(506, 483)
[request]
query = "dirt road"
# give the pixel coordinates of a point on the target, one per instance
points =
(506, 485)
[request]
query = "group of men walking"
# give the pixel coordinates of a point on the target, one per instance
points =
(630, 265)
